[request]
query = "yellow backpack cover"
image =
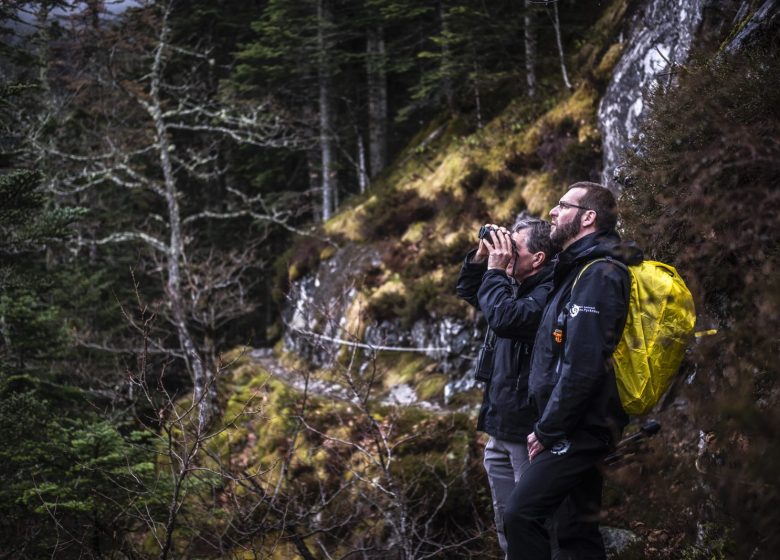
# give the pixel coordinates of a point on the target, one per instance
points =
(659, 325)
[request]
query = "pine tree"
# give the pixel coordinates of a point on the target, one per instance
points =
(30, 325)
(294, 58)
(62, 469)
(472, 49)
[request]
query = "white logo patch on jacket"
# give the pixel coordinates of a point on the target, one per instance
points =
(577, 309)
(560, 447)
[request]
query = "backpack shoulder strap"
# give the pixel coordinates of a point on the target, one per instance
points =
(594, 261)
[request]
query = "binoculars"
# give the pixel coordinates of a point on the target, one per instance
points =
(484, 232)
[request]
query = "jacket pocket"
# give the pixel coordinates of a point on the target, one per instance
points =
(515, 365)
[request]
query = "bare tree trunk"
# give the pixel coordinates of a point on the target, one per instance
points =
(530, 48)
(377, 100)
(313, 158)
(326, 115)
(204, 388)
(477, 97)
(557, 27)
(138, 118)
(361, 170)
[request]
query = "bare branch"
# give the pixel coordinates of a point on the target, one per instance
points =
(124, 236)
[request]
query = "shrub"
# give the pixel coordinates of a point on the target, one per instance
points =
(390, 215)
(701, 192)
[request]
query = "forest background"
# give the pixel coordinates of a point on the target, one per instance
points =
(230, 233)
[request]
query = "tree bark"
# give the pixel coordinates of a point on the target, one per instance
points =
(557, 27)
(204, 387)
(377, 100)
(477, 96)
(325, 80)
(363, 181)
(313, 157)
(530, 48)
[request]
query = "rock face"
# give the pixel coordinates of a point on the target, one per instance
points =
(763, 20)
(316, 315)
(660, 37)
(446, 340)
(317, 324)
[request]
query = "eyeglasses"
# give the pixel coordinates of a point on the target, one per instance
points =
(565, 205)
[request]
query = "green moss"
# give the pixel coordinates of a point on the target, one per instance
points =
(449, 249)
(590, 51)
(274, 332)
(415, 232)
(431, 387)
(603, 71)
(739, 26)
(386, 305)
(235, 357)
(410, 420)
(327, 252)
(420, 297)
(467, 399)
(541, 193)
(392, 214)
(402, 367)
(473, 177)
(508, 207)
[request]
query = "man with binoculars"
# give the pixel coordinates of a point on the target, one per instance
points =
(508, 278)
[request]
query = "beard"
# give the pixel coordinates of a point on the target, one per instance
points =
(562, 234)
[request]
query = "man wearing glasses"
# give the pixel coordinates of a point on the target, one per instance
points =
(572, 382)
(508, 277)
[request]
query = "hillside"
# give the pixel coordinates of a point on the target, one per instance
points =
(383, 277)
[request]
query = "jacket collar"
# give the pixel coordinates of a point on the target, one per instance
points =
(594, 246)
(544, 275)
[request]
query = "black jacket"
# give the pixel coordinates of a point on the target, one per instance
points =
(572, 382)
(513, 313)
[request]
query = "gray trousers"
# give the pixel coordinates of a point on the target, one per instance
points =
(505, 462)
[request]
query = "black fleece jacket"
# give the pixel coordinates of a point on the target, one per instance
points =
(513, 313)
(572, 382)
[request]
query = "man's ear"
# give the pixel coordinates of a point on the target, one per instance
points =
(538, 259)
(588, 218)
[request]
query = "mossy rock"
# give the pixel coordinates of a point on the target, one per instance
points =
(347, 223)
(402, 367)
(388, 300)
(244, 372)
(410, 420)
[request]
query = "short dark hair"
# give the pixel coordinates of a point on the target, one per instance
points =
(601, 200)
(538, 238)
